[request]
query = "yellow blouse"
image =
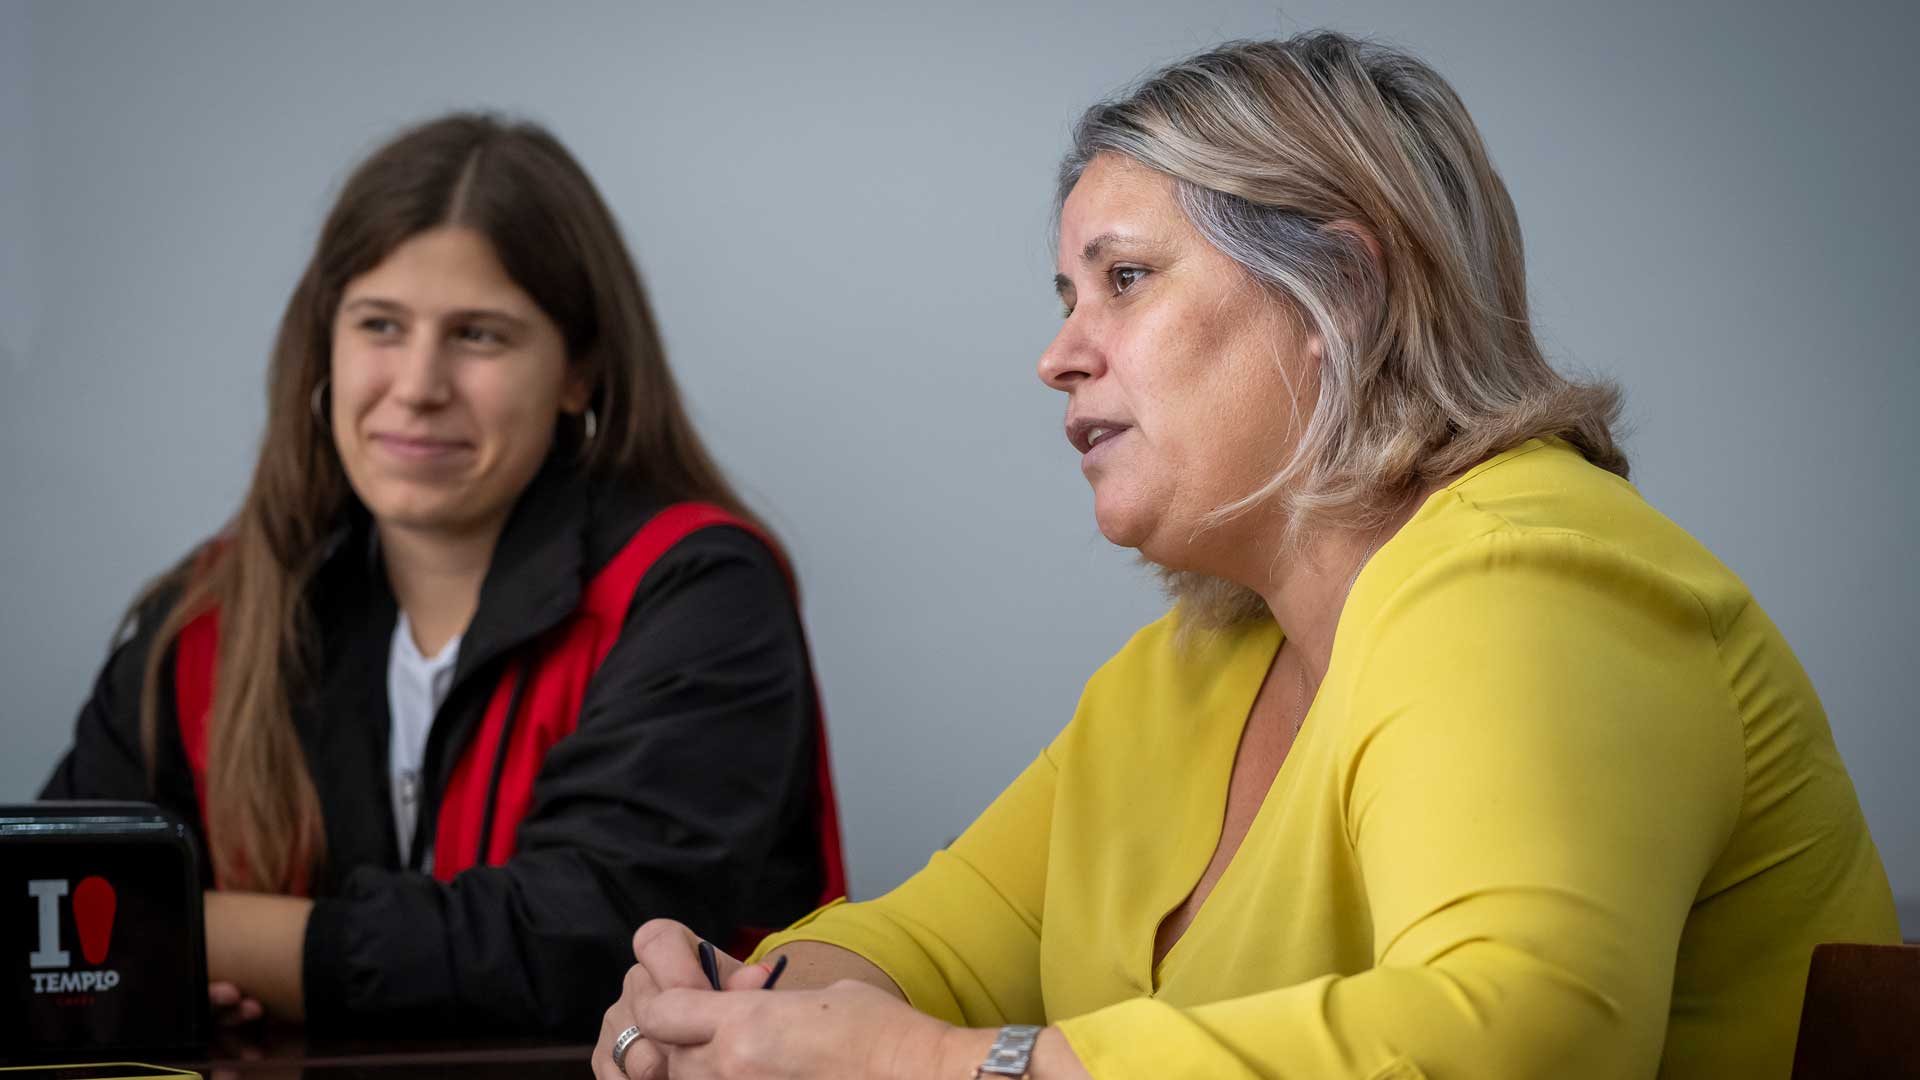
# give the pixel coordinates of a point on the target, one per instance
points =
(1565, 805)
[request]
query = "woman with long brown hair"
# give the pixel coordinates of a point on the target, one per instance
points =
(440, 698)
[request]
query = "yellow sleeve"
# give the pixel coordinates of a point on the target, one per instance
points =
(961, 938)
(1541, 763)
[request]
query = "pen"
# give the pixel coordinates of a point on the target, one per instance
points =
(779, 965)
(710, 964)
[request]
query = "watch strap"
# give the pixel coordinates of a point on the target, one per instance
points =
(1011, 1053)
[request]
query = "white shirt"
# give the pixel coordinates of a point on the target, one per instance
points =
(416, 685)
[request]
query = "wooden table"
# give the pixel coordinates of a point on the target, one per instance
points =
(288, 1054)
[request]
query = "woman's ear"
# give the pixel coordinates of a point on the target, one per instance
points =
(578, 392)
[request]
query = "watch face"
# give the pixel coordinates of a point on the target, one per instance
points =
(1012, 1051)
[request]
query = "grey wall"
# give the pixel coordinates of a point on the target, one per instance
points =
(19, 285)
(841, 211)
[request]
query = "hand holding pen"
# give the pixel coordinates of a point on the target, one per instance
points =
(710, 964)
(669, 956)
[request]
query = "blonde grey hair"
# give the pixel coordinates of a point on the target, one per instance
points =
(1289, 157)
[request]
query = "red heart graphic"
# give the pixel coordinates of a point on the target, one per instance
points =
(93, 904)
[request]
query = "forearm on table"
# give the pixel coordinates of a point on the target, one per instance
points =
(815, 965)
(258, 942)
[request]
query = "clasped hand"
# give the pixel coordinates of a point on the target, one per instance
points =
(690, 1032)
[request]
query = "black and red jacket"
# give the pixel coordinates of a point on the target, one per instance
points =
(632, 732)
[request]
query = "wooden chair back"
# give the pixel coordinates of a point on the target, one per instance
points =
(1861, 1017)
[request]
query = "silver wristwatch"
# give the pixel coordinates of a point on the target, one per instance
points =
(1011, 1052)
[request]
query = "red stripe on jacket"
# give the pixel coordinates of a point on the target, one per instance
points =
(196, 660)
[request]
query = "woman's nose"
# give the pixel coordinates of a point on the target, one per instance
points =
(423, 379)
(1071, 358)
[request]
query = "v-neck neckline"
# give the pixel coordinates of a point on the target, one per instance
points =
(1252, 661)
(1247, 670)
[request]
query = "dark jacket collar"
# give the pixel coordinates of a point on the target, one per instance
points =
(562, 530)
(538, 567)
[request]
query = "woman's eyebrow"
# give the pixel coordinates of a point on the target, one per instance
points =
(380, 303)
(1099, 245)
(373, 302)
(487, 313)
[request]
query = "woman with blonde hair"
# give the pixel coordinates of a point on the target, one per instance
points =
(1452, 758)
(441, 700)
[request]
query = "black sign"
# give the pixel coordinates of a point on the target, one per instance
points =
(101, 938)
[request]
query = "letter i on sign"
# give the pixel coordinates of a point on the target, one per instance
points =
(49, 955)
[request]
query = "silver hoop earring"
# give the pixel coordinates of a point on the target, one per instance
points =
(590, 425)
(314, 400)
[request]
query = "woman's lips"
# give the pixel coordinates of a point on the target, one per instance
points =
(1087, 434)
(421, 449)
(1097, 451)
